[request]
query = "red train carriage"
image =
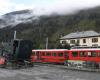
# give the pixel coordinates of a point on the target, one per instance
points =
(50, 55)
(84, 57)
(74, 57)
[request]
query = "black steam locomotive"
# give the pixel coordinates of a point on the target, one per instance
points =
(16, 53)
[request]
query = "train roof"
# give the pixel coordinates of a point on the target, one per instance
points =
(83, 49)
(50, 50)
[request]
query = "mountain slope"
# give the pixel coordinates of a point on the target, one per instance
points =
(52, 26)
(17, 17)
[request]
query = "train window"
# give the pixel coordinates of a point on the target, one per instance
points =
(66, 55)
(92, 54)
(43, 54)
(74, 54)
(53, 54)
(89, 54)
(82, 54)
(99, 54)
(48, 54)
(60, 54)
(33, 53)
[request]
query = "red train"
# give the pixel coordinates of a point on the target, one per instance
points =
(49, 55)
(75, 57)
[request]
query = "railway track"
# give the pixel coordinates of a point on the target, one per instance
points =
(66, 67)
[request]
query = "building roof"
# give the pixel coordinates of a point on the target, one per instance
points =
(80, 35)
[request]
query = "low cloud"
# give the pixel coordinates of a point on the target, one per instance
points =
(51, 6)
(66, 6)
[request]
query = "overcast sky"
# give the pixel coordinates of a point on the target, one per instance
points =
(46, 6)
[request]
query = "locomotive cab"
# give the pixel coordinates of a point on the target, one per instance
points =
(22, 49)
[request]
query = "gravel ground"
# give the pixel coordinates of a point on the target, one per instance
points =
(46, 73)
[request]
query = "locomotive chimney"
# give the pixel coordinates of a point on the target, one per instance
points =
(14, 35)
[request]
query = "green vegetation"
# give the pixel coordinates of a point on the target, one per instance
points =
(53, 27)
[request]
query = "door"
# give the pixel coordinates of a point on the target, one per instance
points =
(38, 54)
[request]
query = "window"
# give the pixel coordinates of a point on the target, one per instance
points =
(83, 54)
(74, 54)
(15, 43)
(43, 53)
(78, 41)
(63, 42)
(84, 45)
(60, 54)
(66, 55)
(84, 40)
(94, 40)
(99, 54)
(92, 54)
(33, 53)
(47, 54)
(53, 54)
(95, 45)
(1, 51)
(72, 41)
(89, 54)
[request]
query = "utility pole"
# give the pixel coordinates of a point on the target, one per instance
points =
(47, 43)
(14, 35)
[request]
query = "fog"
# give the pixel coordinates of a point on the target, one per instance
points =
(45, 7)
